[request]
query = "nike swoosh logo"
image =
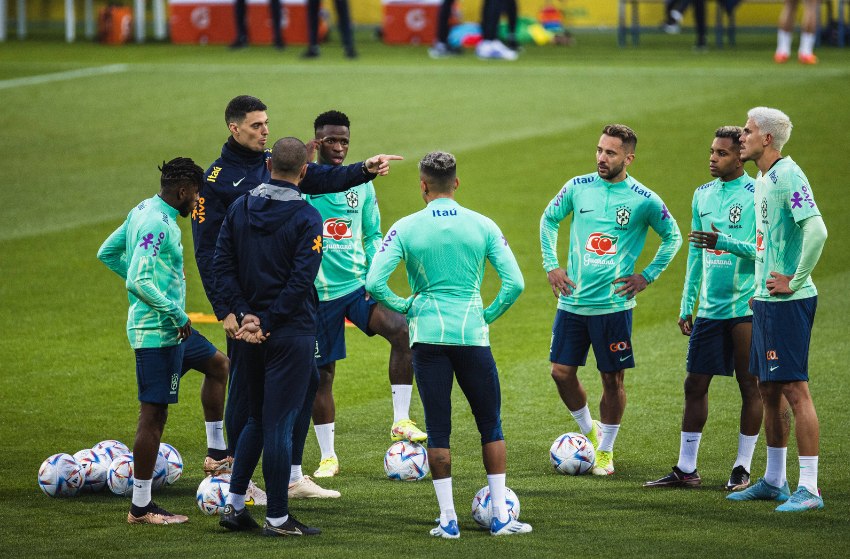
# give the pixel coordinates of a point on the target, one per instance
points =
(236, 183)
(584, 211)
(689, 440)
(774, 368)
(704, 214)
(624, 358)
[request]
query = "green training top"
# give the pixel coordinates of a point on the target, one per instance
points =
(725, 282)
(147, 253)
(607, 234)
(352, 234)
(444, 247)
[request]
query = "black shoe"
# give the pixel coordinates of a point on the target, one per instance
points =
(350, 53)
(311, 52)
(740, 479)
(279, 43)
(676, 478)
(289, 528)
(236, 520)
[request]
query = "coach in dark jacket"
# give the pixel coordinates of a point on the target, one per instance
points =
(267, 257)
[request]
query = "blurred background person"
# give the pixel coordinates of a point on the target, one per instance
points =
(785, 34)
(240, 12)
(343, 18)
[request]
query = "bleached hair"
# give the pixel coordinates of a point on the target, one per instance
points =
(773, 122)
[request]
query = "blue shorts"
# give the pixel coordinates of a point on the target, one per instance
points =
(158, 373)
(330, 337)
(435, 367)
(711, 347)
(609, 334)
(197, 351)
(781, 335)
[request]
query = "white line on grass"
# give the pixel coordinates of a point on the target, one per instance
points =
(63, 76)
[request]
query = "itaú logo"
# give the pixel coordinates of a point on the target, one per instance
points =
(601, 243)
(337, 228)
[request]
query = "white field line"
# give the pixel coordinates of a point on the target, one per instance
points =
(63, 76)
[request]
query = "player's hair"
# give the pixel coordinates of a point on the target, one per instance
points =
(288, 156)
(626, 135)
(440, 168)
(731, 132)
(773, 122)
(331, 118)
(241, 106)
(180, 172)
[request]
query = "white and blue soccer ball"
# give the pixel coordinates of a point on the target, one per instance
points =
(212, 494)
(482, 506)
(119, 477)
(160, 473)
(95, 467)
(406, 461)
(572, 454)
(174, 463)
(61, 476)
(111, 448)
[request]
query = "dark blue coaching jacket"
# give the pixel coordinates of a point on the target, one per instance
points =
(238, 171)
(267, 256)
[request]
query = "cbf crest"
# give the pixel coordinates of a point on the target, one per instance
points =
(352, 199)
(764, 208)
(624, 214)
(735, 214)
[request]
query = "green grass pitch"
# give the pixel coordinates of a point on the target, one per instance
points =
(79, 152)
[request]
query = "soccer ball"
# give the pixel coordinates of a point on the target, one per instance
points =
(572, 454)
(212, 494)
(111, 448)
(160, 472)
(482, 509)
(61, 476)
(406, 461)
(173, 461)
(119, 477)
(95, 467)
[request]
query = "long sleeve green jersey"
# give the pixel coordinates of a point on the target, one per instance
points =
(607, 234)
(351, 235)
(445, 247)
(725, 282)
(146, 251)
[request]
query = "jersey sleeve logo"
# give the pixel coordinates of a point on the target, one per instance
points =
(147, 241)
(387, 240)
(665, 213)
(199, 212)
(601, 244)
(214, 174)
(337, 228)
(317, 244)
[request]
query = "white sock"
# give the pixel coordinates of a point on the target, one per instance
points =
(141, 492)
(783, 42)
(401, 401)
(774, 473)
(215, 435)
(688, 451)
(498, 506)
(609, 435)
(746, 447)
(582, 417)
(445, 500)
(236, 501)
(325, 436)
(809, 473)
(295, 474)
(277, 522)
(807, 43)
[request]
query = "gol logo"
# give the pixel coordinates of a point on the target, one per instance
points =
(337, 228)
(619, 346)
(415, 19)
(601, 243)
(771, 355)
(759, 240)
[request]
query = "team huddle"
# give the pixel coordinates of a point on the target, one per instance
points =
(288, 249)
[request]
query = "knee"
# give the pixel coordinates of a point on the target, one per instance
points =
(562, 374)
(220, 369)
(694, 389)
(326, 378)
(612, 382)
(400, 338)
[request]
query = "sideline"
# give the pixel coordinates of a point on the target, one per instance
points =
(63, 76)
